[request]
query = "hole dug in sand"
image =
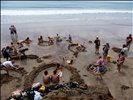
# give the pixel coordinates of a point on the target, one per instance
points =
(72, 48)
(37, 73)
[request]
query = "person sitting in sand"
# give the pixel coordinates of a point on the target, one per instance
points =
(69, 38)
(120, 61)
(55, 77)
(40, 39)
(58, 39)
(79, 47)
(27, 40)
(8, 65)
(68, 61)
(46, 78)
(50, 41)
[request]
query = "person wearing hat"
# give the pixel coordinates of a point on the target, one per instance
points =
(128, 41)
(97, 45)
(8, 65)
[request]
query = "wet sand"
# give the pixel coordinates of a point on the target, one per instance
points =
(81, 31)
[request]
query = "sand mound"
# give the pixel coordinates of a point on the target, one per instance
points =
(91, 93)
(115, 49)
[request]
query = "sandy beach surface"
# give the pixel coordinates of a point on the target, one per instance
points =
(113, 32)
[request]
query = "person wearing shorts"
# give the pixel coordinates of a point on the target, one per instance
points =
(8, 65)
(97, 45)
(120, 61)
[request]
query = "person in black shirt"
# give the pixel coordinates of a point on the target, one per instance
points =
(97, 45)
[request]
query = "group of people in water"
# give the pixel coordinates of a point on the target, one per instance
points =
(56, 77)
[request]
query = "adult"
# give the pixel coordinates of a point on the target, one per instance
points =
(13, 31)
(105, 51)
(8, 65)
(55, 77)
(100, 67)
(58, 39)
(50, 41)
(40, 39)
(67, 60)
(120, 61)
(6, 53)
(97, 45)
(59, 71)
(125, 50)
(46, 78)
(27, 40)
(129, 40)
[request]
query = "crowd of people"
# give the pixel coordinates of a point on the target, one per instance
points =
(18, 48)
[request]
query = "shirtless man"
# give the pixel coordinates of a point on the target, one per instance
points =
(46, 78)
(55, 77)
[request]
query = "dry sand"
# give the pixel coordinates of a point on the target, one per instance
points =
(81, 31)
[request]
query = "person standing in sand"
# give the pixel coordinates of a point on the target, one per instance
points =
(97, 45)
(128, 41)
(125, 50)
(12, 32)
(8, 65)
(100, 67)
(120, 61)
(105, 51)
(55, 77)
(46, 78)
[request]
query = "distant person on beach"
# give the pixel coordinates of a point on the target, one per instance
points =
(79, 47)
(13, 31)
(125, 50)
(129, 40)
(55, 77)
(8, 65)
(120, 61)
(69, 38)
(97, 45)
(58, 39)
(50, 41)
(67, 60)
(105, 51)
(100, 67)
(6, 53)
(46, 78)
(27, 40)
(40, 39)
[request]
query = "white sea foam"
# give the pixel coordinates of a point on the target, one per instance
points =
(57, 12)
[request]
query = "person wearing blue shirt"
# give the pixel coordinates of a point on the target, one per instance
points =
(70, 38)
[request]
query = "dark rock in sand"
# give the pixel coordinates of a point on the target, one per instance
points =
(39, 60)
(90, 41)
(115, 49)
(124, 87)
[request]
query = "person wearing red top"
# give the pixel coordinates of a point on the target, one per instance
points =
(120, 61)
(128, 41)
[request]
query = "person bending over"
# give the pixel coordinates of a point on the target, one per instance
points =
(8, 65)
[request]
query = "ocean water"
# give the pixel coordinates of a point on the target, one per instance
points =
(39, 11)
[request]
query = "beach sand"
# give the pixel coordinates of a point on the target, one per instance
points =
(110, 31)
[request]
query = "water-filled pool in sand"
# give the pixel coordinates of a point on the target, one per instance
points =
(66, 75)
